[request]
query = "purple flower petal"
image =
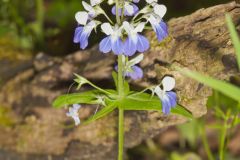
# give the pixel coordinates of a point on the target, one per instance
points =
(126, 13)
(166, 105)
(117, 46)
(114, 10)
(161, 31)
(136, 1)
(136, 74)
(77, 34)
(105, 45)
(135, 8)
(142, 44)
(129, 47)
(84, 39)
(172, 98)
(169, 100)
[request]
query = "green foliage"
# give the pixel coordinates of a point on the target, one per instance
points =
(193, 129)
(223, 102)
(221, 86)
(133, 101)
(234, 36)
(186, 156)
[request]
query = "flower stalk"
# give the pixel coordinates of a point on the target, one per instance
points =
(120, 93)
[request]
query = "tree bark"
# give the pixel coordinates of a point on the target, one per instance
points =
(199, 41)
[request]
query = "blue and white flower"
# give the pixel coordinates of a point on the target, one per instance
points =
(157, 23)
(167, 97)
(135, 41)
(82, 34)
(131, 69)
(130, 9)
(113, 41)
(73, 113)
(82, 17)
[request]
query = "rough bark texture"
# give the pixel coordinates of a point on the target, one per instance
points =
(199, 42)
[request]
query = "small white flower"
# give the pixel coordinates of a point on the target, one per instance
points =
(73, 112)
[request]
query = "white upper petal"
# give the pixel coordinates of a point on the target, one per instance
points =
(135, 60)
(89, 27)
(168, 83)
(127, 27)
(129, 8)
(95, 2)
(160, 10)
(159, 92)
(107, 28)
(87, 7)
(81, 17)
(140, 27)
(151, 1)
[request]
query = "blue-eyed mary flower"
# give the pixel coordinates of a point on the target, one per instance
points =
(82, 34)
(167, 97)
(113, 41)
(130, 9)
(131, 69)
(155, 18)
(91, 12)
(86, 23)
(73, 113)
(135, 41)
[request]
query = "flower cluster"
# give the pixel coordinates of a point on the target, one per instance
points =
(125, 38)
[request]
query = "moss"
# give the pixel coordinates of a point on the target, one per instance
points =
(5, 118)
(9, 50)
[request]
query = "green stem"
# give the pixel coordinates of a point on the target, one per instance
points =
(121, 111)
(205, 143)
(120, 94)
(223, 136)
(120, 134)
(98, 88)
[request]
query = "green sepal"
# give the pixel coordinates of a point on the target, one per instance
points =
(115, 79)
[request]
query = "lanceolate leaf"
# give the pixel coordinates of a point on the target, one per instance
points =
(76, 98)
(144, 101)
(221, 86)
(180, 110)
(102, 113)
(234, 36)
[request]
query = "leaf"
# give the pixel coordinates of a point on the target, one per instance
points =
(221, 86)
(76, 98)
(234, 37)
(180, 110)
(144, 101)
(223, 102)
(102, 113)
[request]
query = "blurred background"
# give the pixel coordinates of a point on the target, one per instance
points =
(28, 27)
